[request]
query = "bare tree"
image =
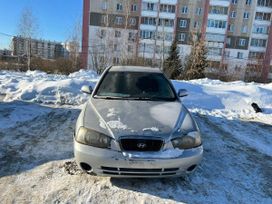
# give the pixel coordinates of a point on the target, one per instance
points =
(28, 28)
(74, 44)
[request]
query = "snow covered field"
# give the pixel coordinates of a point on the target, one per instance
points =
(37, 118)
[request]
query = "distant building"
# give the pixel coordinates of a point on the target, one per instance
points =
(5, 52)
(238, 33)
(39, 48)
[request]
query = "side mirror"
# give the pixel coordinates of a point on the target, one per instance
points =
(87, 89)
(182, 93)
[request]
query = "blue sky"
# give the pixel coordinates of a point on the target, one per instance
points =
(56, 18)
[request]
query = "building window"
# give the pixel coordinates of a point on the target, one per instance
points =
(150, 6)
(262, 16)
(104, 6)
(227, 54)
(216, 23)
(246, 15)
(256, 55)
(145, 34)
(116, 60)
(218, 10)
(132, 21)
(264, 3)
(119, 7)
(117, 34)
(166, 22)
(242, 42)
(248, 2)
(184, 9)
(240, 55)
(118, 20)
(181, 37)
(130, 48)
(149, 21)
(183, 23)
(115, 47)
(228, 41)
(134, 7)
(233, 14)
(105, 19)
(167, 8)
(131, 36)
(231, 28)
(244, 29)
(258, 42)
(102, 33)
(260, 29)
(198, 11)
(196, 24)
(234, 1)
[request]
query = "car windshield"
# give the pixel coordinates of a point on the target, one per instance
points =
(135, 86)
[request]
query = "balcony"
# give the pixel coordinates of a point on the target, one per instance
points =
(149, 13)
(216, 30)
(264, 9)
(167, 15)
(224, 3)
(169, 2)
(218, 17)
(151, 1)
(257, 49)
(147, 27)
(260, 35)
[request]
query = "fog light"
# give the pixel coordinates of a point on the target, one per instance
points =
(85, 167)
(191, 168)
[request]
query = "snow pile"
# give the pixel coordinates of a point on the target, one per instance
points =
(229, 99)
(213, 97)
(39, 87)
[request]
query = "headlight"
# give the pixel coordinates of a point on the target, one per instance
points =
(92, 138)
(188, 141)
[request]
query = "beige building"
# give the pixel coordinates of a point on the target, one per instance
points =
(238, 33)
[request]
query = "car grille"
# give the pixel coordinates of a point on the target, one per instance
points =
(139, 172)
(143, 145)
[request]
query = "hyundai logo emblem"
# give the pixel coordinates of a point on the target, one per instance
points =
(141, 145)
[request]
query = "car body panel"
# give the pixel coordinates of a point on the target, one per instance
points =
(115, 161)
(126, 117)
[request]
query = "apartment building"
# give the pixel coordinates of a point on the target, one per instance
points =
(38, 48)
(238, 33)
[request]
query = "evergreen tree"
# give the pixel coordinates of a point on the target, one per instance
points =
(172, 65)
(197, 60)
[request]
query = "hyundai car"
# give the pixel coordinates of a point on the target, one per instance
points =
(134, 124)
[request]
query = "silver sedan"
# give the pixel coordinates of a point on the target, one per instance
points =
(134, 125)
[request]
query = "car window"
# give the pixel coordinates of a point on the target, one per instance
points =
(136, 85)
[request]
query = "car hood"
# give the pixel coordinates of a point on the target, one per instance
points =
(127, 117)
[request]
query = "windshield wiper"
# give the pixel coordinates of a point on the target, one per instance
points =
(110, 97)
(141, 98)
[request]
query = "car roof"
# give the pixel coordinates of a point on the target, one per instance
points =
(134, 69)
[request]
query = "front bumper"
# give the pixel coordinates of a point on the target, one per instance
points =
(106, 162)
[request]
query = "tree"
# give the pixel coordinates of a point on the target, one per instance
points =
(74, 44)
(197, 60)
(172, 65)
(28, 28)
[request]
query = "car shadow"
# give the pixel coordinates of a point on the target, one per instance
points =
(33, 134)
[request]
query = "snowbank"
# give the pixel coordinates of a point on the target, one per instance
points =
(36, 86)
(206, 95)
